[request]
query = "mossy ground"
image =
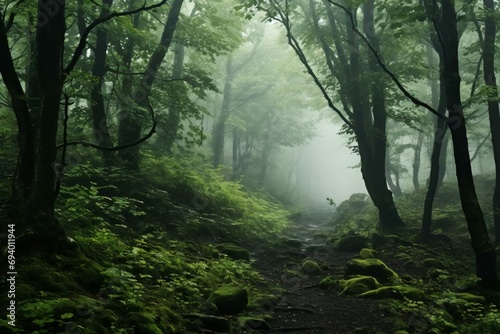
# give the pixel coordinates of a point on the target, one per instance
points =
(146, 250)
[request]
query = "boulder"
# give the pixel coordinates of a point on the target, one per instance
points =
(371, 267)
(351, 243)
(328, 283)
(235, 252)
(367, 253)
(230, 299)
(253, 323)
(309, 267)
(433, 263)
(359, 285)
(295, 243)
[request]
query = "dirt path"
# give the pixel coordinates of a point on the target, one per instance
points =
(304, 307)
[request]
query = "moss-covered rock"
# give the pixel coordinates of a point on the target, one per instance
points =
(367, 253)
(212, 323)
(351, 243)
(328, 283)
(295, 243)
(444, 221)
(359, 285)
(253, 323)
(310, 267)
(262, 302)
(395, 292)
(234, 251)
(230, 299)
(371, 267)
(433, 263)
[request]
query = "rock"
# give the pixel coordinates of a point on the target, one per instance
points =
(263, 302)
(433, 263)
(213, 323)
(328, 283)
(367, 253)
(235, 252)
(395, 292)
(351, 243)
(230, 299)
(359, 285)
(445, 222)
(310, 267)
(253, 323)
(295, 243)
(371, 267)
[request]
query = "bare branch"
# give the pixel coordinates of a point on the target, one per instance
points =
(83, 38)
(384, 67)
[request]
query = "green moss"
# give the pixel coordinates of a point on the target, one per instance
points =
(310, 267)
(469, 297)
(328, 283)
(359, 285)
(230, 299)
(262, 302)
(253, 323)
(351, 243)
(371, 267)
(433, 263)
(367, 253)
(234, 251)
(395, 292)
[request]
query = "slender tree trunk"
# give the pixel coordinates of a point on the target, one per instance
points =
(174, 117)
(99, 117)
(219, 131)
(416, 161)
(436, 166)
(130, 127)
(484, 251)
(493, 109)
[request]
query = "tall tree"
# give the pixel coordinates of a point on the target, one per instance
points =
(493, 109)
(131, 123)
(484, 251)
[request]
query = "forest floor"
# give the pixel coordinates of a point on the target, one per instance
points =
(304, 307)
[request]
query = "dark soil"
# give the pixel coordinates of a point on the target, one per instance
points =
(304, 307)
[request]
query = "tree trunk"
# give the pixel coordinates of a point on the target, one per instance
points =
(99, 117)
(416, 161)
(388, 214)
(484, 252)
(493, 109)
(219, 131)
(130, 127)
(174, 117)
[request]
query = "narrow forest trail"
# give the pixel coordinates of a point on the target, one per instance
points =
(304, 307)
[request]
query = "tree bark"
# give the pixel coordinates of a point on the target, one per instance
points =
(388, 214)
(484, 251)
(174, 117)
(131, 123)
(493, 109)
(99, 117)
(219, 131)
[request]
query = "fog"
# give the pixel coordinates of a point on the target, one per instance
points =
(330, 166)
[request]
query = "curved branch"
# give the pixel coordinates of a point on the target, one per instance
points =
(284, 19)
(115, 148)
(386, 70)
(83, 38)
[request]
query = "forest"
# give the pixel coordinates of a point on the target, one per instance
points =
(223, 166)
